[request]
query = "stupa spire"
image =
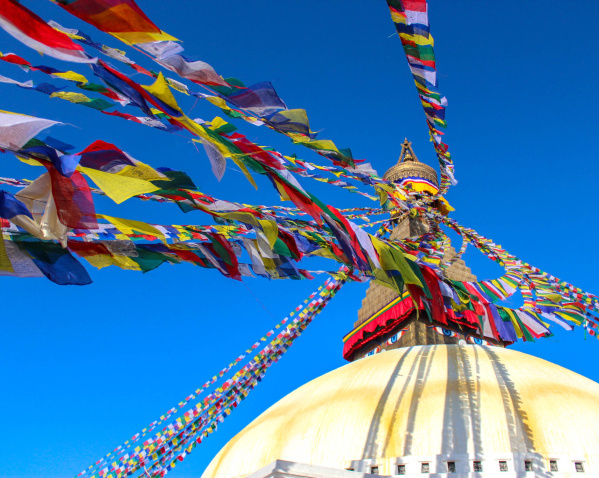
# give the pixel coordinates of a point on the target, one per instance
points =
(407, 153)
(386, 320)
(409, 167)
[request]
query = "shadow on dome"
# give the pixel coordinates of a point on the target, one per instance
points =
(518, 428)
(462, 415)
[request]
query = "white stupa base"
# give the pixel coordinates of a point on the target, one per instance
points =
(289, 469)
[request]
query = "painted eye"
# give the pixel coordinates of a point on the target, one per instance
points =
(446, 332)
(396, 337)
(373, 351)
(449, 333)
(478, 340)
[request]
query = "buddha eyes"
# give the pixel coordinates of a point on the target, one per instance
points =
(396, 337)
(374, 351)
(450, 333)
(478, 340)
(446, 332)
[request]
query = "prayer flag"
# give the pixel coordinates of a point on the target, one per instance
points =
(34, 32)
(11, 206)
(197, 71)
(121, 18)
(17, 129)
(56, 263)
(260, 98)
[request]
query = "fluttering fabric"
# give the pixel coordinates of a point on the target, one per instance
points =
(121, 18)
(411, 21)
(155, 453)
(31, 30)
(17, 129)
(52, 221)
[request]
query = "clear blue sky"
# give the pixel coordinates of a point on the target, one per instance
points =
(85, 368)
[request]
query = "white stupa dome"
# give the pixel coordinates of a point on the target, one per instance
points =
(473, 408)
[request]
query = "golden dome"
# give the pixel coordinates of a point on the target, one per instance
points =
(434, 403)
(408, 166)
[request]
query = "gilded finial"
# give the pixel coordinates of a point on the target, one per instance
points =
(408, 166)
(407, 153)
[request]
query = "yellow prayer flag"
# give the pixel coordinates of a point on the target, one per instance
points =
(175, 85)
(199, 130)
(418, 39)
(515, 322)
(444, 207)
(553, 297)
(217, 122)
(132, 38)
(104, 260)
(270, 230)
(398, 17)
(318, 144)
(217, 101)
(141, 171)
(30, 161)
(161, 90)
(118, 188)
(129, 226)
(71, 75)
(70, 96)
(391, 259)
(5, 264)
(245, 171)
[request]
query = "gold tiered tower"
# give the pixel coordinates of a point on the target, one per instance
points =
(408, 170)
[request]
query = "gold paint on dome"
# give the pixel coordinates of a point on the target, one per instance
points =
(423, 401)
(409, 166)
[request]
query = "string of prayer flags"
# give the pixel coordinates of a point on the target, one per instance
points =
(361, 212)
(261, 96)
(55, 92)
(65, 208)
(260, 99)
(411, 22)
(79, 80)
(543, 293)
(355, 247)
(591, 328)
(54, 218)
(266, 337)
(157, 454)
(126, 21)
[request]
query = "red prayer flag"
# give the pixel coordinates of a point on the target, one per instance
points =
(34, 32)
